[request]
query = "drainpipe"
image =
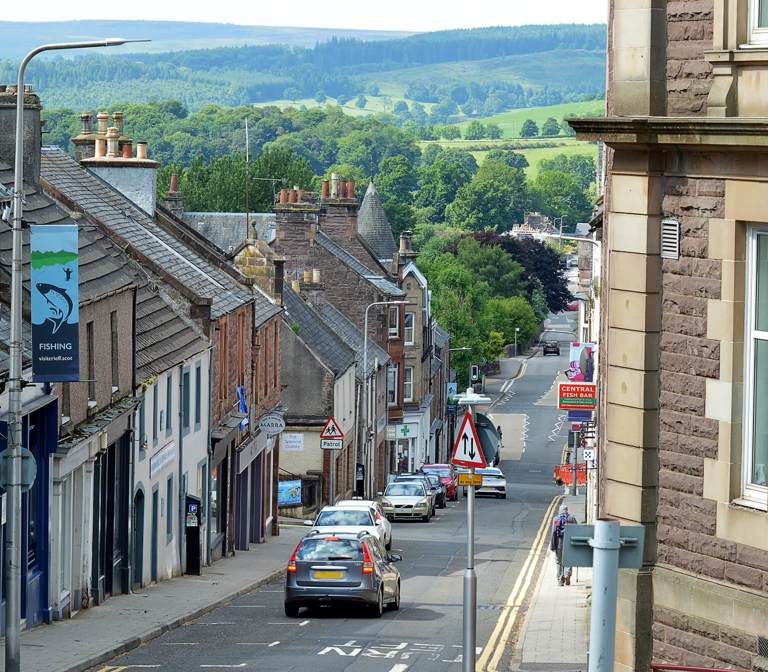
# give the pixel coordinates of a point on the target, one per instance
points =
(182, 493)
(208, 549)
(132, 463)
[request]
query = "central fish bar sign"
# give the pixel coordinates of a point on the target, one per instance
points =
(54, 296)
(577, 396)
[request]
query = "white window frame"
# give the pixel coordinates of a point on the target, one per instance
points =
(407, 384)
(752, 494)
(409, 340)
(758, 36)
(393, 371)
(394, 329)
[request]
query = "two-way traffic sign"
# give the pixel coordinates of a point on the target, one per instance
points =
(467, 451)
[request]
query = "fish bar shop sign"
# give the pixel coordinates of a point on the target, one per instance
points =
(54, 293)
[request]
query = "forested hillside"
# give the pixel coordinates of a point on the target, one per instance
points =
(459, 72)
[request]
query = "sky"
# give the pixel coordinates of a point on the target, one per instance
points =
(408, 15)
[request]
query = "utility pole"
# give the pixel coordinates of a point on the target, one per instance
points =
(12, 557)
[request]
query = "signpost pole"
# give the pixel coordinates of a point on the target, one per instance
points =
(470, 582)
(574, 458)
(605, 557)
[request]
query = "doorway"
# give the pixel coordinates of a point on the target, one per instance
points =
(138, 539)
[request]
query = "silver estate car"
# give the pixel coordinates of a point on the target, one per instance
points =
(407, 499)
(341, 568)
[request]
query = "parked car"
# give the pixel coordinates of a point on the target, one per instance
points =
(441, 496)
(406, 499)
(332, 519)
(341, 568)
(432, 490)
(378, 517)
(448, 476)
(494, 482)
(551, 348)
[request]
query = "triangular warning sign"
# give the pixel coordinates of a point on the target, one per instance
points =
(331, 430)
(467, 451)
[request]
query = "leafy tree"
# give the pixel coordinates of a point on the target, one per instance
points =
(441, 179)
(505, 314)
(494, 131)
(475, 130)
(361, 102)
(559, 194)
(512, 159)
(493, 346)
(538, 299)
(580, 166)
(400, 107)
(550, 127)
(495, 199)
(529, 129)
(450, 132)
(396, 179)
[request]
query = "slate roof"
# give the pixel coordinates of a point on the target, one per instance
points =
(133, 225)
(441, 337)
(373, 226)
(318, 335)
(354, 338)
(227, 230)
(102, 267)
(378, 281)
(163, 337)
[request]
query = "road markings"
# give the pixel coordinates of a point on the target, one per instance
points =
(214, 623)
(269, 645)
(229, 667)
(494, 649)
(246, 606)
(179, 643)
(300, 625)
(400, 667)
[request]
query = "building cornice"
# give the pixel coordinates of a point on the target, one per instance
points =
(731, 132)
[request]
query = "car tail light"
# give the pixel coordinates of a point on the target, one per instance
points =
(367, 561)
(291, 569)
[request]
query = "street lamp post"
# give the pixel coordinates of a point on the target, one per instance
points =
(368, 453)
(13, 461)
(517, 330)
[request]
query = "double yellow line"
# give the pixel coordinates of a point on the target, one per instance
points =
(494, 649)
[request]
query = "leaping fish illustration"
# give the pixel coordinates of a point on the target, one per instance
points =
(59, 304)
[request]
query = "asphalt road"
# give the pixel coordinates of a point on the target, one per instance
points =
(252, 632)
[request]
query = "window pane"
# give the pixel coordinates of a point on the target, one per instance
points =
(761, 267)
(760, 414)
(762, 14)
(169, 507)
(185, 400)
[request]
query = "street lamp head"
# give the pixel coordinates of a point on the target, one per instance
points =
(117, 41)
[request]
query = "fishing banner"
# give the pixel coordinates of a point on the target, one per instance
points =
(54, 290)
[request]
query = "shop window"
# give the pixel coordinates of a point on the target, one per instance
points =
(215, 506)
(755, 475)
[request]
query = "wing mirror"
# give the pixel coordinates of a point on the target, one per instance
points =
(395, 557)
(309, 523)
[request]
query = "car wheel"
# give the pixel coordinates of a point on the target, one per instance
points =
(391, 519)
(292, 610)
(378, 609)
(425, 519)
(388, 545)
(504, 496)
(394, 605)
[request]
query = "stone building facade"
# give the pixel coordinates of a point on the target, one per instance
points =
(684, 394)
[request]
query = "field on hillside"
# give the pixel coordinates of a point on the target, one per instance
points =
(512, 121)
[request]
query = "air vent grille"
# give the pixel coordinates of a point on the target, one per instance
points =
(762, 646)
(670, 239)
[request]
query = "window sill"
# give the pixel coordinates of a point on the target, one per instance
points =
(750, 504)
(747, 53)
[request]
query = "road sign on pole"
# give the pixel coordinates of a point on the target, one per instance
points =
(331, 430)
(467, 451)
(331, 444)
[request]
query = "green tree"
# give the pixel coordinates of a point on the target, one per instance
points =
(450, 132)
(493, 131)
(512, 159)
(440, 180)
(539, 299)
(361, 102)
(495, 199)
(475, 130)
(550, 127)
(559, 194)
(505, 314)
(529, 129)
(582, 167)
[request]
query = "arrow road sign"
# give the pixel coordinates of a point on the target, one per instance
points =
(467, 451)
(331, 430)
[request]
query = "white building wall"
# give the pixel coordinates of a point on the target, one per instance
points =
(171, 454)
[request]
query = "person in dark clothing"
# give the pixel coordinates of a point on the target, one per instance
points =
(559, 522)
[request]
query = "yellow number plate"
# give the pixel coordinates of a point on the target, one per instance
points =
(471, 479)
(328, 575)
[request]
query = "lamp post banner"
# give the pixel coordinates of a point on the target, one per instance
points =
(54, 298)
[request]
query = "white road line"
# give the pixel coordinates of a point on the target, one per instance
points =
(215, 623)
(247, 606)
(239, 665)
(179, 643)
(400, 667)
(301, 625)
(269, 645)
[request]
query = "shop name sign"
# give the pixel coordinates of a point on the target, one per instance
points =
(272, 424)
(577, 396)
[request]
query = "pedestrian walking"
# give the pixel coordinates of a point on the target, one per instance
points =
(559, 522)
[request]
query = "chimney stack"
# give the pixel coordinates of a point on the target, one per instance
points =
(174, 199)
(32, 132)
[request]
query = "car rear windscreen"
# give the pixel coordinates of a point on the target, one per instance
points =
(444, 473)
(329, 549)
(340, 518)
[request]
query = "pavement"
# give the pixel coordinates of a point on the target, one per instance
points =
(125, 622)
(555, 636)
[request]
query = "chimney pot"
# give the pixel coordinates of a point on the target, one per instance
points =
(102, 121)
(141, 150)
(326, 189)
(350, 189)
(112, 137)
(127, 150)
(307, 277)
(292, 196)
(117, 121)
(342, 189)
(334, 185)
(100, 151)
(316, 276)
(85, 123)
(405, 242)
(283, 196)
(174, 183)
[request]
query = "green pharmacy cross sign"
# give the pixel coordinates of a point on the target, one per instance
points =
(405, 431)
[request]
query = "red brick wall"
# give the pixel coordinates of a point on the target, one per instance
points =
(687, 521)
(689, 76)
